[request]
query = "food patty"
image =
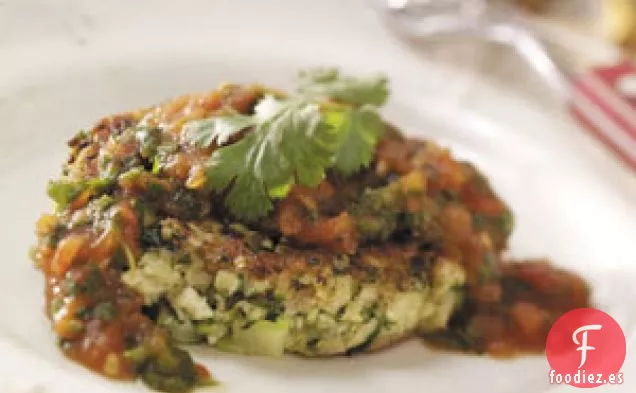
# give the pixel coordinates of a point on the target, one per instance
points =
(261, 222)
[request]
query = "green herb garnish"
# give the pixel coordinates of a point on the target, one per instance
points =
(327, 83)
(205, 133)
(359, 130)
(506, 222)
(64, 191)
(290, 144)
(149, 139)
(332, 123)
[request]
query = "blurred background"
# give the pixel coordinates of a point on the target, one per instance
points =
(613, 20)
(575, 35)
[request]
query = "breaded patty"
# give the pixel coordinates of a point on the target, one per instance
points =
(221, 289)
(340, 268)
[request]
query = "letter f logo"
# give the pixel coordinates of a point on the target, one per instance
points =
(583, 344)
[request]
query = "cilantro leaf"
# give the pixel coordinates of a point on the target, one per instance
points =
(204, 133)
(332, 123)
(328, 83)
(290, 144)
(247, 198)
(359, 130)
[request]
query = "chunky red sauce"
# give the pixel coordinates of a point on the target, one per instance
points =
(510, 305)
(95, 316)
(98, 320)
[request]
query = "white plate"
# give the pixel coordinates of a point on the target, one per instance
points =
(80, 60)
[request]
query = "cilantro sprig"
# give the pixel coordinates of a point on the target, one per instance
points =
(289, 143)
(327, 83)
(205, 133)
(331, 123)
(359, 130)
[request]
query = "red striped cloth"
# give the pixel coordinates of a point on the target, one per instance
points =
(604, 102)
